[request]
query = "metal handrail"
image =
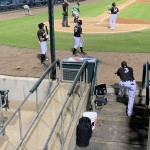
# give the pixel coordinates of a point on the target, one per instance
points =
(79, 75)
(145, 80)
(93, 85)
(18, 110)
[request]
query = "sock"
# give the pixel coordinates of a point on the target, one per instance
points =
(42, 58)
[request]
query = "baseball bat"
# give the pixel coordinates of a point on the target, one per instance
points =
(46, 30)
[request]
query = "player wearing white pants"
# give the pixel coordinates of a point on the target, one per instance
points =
(78, 38)
(78, 42)
(75, 12)
(112, 22)
(42, 41)
(27, 10)
(127, 81)
(43, 46)
(113, 11)
(131, 86)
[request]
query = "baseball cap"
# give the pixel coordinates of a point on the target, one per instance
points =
(40, 25)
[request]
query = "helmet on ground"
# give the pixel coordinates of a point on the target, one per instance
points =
(113, 4)
(80, 22)
(41, 25)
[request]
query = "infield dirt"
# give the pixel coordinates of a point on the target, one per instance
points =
(25, 62)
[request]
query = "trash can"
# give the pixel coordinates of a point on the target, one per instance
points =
(71, 66)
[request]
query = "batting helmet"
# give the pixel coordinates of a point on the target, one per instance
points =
(41, 25)
(80, 22)
(113, 4)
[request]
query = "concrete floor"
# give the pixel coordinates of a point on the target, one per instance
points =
(115, 131)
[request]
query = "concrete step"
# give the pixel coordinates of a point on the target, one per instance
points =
(138, 100)
(96, 144)
(115, 131)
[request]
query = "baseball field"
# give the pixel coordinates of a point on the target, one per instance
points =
(129, 41)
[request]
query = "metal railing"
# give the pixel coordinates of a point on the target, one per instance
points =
(92, 97)
(145, 81)
(79, 77)
(38, 106)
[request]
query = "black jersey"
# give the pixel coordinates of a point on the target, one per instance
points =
(114, 10)
(125, 73)
(77, 31)
(41, 33)
(65, 8)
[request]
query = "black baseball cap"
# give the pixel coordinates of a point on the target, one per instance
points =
(41, 25)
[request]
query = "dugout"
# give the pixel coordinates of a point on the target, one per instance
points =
(71, 66)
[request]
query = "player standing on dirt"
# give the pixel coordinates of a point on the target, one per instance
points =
(65, 13)
(42, 41)
(75, 12)
(78, 38)
(113, 11)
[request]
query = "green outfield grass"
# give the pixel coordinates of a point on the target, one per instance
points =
(21, 32)
(137, 11)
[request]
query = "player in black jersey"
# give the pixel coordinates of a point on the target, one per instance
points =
(113, 11)
(42, 37)
(78, 38)
(127, 81)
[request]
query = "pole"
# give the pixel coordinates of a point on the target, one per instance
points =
(52, 36)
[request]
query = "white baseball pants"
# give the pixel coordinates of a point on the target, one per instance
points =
(76, 14)
(78, 42)
(43, 46)
(131, 86)
(113, 18)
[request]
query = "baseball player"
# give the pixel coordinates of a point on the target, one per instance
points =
(42, 41)
(65, 13)
(75, 12)
(113, 11)
(26, 10)
(127, 81)
(78, 38)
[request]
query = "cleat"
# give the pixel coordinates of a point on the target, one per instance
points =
(84, 53)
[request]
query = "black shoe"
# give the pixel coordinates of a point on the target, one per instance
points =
(43, 64)
(84, 53)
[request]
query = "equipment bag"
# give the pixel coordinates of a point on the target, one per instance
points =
(99, 101)
(100, 89)
(83, 132)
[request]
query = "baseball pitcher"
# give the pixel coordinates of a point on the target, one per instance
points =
(113, 11)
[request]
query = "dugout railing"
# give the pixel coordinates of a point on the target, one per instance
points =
(80, 82)
(39, 105)
(146, 83)
(80, 78)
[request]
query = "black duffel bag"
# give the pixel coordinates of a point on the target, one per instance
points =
(84, 132)
(100, 89)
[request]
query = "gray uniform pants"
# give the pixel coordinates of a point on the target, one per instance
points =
(65, 21)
